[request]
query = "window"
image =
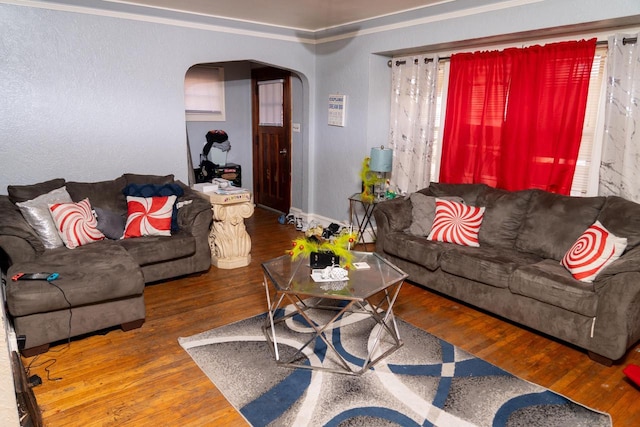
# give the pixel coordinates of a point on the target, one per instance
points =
(586, 169)
(204, 93)
(270, 110)
(588, 146)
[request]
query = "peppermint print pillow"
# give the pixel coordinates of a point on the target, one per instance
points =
(149, 216)
(595, 249)
(75, 223)
(456, 223)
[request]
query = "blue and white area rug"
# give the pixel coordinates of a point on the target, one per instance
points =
(427, 382)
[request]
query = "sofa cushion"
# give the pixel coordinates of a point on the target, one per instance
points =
(622, 218)
(549, 282)
(469, 192)
(423, 210)
(415, 249)
(94, 273)
(103, 194)
(152, 249)
(456, 223)
(22, 193)
(594, 250)
(554, 222)
(489, 265)
(36, 213)
(134, 178)
(505, 211)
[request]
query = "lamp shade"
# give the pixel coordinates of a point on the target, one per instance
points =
(381, 159)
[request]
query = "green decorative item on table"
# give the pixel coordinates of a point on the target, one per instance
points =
(339, 246)
(369, 179)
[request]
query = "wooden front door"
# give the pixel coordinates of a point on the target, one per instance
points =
(271, 109)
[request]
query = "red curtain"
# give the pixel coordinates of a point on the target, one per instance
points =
(514, 118)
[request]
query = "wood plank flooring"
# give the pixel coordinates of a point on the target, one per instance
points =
(144, 378)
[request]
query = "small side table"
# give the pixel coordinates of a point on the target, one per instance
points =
(229, 241)
(363, 223)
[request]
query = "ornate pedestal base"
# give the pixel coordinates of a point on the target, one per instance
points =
(230, 243)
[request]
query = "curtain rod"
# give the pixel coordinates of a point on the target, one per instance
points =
(625, 41)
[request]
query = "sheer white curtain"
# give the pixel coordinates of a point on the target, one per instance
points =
(413, 116)
(620, 165)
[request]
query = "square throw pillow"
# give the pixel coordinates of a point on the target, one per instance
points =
(149, 216)
(36, 213)
(423, 210)
(457, 223)
(154, 190)
(592, 252)
(75, 223)
(110, 223)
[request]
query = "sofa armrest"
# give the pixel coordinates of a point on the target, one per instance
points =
(617, 322)
(391, 215)
(18, 241)
(195, 215)
(627, 263)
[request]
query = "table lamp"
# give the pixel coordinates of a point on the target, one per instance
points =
(380, 162)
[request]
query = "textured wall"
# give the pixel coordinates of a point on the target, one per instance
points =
(88, 97)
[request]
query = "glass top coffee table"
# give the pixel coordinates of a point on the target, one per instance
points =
(337, 326)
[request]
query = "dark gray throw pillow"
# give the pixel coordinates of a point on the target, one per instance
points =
(423, 211)
(110, 223)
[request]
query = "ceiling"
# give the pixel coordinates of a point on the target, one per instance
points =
(308, 15)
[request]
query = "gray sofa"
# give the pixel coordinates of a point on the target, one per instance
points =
(100, 284)
(516, 273)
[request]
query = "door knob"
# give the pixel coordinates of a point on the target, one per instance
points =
(283, 151)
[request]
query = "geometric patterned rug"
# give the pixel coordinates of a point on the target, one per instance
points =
(427, 382)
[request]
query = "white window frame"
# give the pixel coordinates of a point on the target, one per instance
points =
(204, 94)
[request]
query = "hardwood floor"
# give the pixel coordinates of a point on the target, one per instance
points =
(144, 378)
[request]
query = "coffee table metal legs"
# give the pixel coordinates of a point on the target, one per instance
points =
(381, 311)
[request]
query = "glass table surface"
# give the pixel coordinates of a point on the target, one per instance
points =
(294, 276)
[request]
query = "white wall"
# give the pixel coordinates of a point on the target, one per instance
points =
(89, 97)
(353, 67)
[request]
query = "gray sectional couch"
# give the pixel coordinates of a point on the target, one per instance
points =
(516, 272)
(100, 284)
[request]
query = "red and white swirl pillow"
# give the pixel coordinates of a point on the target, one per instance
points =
(75, 223)
(149, 216)
(595, 249)
(456, 223)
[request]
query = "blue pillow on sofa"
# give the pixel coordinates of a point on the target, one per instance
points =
(154, 190)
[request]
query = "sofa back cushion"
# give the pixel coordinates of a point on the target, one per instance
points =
(468, 192)
(554, 222)
(622, 218)
(503, 216)
(105, 195)
(134, 178)
(22, 193)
